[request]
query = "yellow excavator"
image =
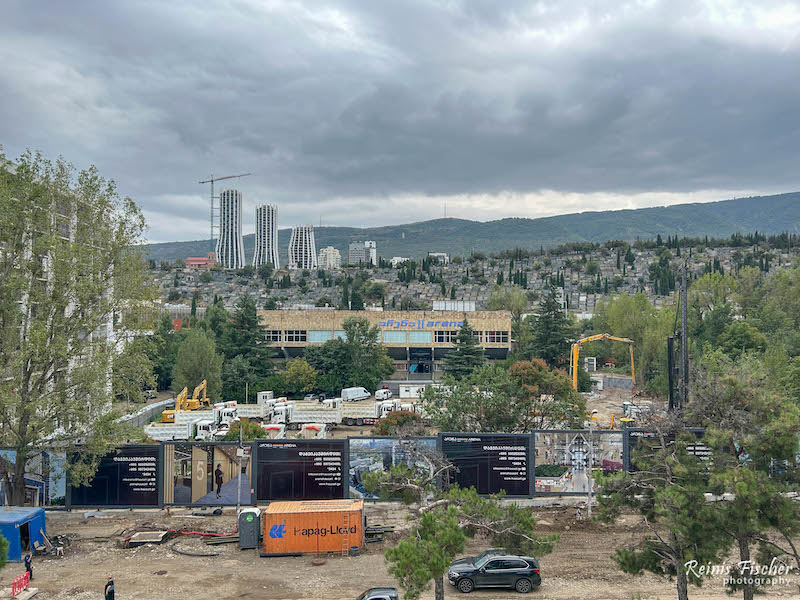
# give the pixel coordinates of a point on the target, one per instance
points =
(183, 402)
(576, 350)
(196, 401)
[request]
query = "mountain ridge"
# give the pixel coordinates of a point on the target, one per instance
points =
(456, 236)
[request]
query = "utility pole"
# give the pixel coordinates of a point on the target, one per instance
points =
(671, 371)
(211, 180)
(684, 365)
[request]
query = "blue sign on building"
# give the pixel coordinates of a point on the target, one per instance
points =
(418, 324)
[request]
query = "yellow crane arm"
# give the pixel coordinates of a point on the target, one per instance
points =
(576, 350)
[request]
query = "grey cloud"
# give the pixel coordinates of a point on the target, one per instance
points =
(342, 108)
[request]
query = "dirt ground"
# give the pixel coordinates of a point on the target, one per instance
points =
(609, 402)
(580, 568)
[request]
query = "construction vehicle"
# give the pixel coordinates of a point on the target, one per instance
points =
(369, 413)
(576, 349)
(197, 401)
(168, 416)
(183, 403)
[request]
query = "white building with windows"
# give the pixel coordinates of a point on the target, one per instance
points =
(230, 246)
(442, 257)
(398, 260)
(362, 252)
(329, 258)
(302, 250)
(266, 236)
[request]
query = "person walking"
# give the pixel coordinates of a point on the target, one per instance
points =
(109, 590)
(29, 566)
(218, 478)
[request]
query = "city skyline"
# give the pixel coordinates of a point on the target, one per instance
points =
(524, 109)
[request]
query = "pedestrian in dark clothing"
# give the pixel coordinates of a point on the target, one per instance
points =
(29, 566)
(218, 478)
(110, 588)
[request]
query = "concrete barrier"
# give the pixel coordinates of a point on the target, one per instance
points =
(145, 414)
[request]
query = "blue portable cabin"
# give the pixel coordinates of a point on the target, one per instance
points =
(21, 526)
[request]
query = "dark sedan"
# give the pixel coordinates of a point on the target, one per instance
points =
(489, 570)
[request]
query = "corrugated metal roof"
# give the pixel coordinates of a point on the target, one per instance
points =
(16, 514)
(314, 506)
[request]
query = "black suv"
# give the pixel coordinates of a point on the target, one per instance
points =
(380, 593)
(489, 569)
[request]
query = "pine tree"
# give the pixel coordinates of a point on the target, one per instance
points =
(550, 332)
(500, 278)
(453, 293)
(618, 261)
(466, 354)
(345, 297)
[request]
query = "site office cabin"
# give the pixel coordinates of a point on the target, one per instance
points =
(313, 526)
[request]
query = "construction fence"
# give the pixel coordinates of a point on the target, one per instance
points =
(196, 474)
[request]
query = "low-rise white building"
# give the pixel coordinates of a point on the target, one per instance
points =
(329, 258)
(398, 260)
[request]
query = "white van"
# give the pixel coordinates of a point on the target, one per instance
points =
(355, 394)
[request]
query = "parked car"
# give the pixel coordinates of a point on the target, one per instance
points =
(380, 593)
(383, 394)
(490, 570)
(150, 394)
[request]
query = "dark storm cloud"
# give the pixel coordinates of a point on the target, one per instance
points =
(364, 111)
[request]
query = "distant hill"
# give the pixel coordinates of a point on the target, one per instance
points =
(458, 237)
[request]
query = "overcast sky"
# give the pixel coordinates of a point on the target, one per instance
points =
(378, 112)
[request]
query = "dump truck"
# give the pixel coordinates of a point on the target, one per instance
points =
(295, 414)
(369, 413)
(165, 432)
(313, 431)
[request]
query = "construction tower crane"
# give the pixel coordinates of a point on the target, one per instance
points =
(211, 180)
(576, 350)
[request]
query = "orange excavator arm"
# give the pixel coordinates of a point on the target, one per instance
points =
(575, 351)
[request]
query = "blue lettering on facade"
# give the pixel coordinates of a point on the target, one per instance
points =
(420, 324)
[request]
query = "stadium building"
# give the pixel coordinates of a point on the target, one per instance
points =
(417, 341)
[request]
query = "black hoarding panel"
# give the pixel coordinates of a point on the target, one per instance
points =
(301, 469)
(369, 454)
(490, 462)
(562, 459)
(644, 440)
(207, 473)
(127, 477)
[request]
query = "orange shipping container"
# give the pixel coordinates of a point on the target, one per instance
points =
(312, 526)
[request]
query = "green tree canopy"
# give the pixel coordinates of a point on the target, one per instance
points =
(198, 360)
(69, 265)
(551, 332)
(300, 377)
(466, 354)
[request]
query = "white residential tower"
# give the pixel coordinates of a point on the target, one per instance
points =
(230, 247)
(266, 236)
(302, 250)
